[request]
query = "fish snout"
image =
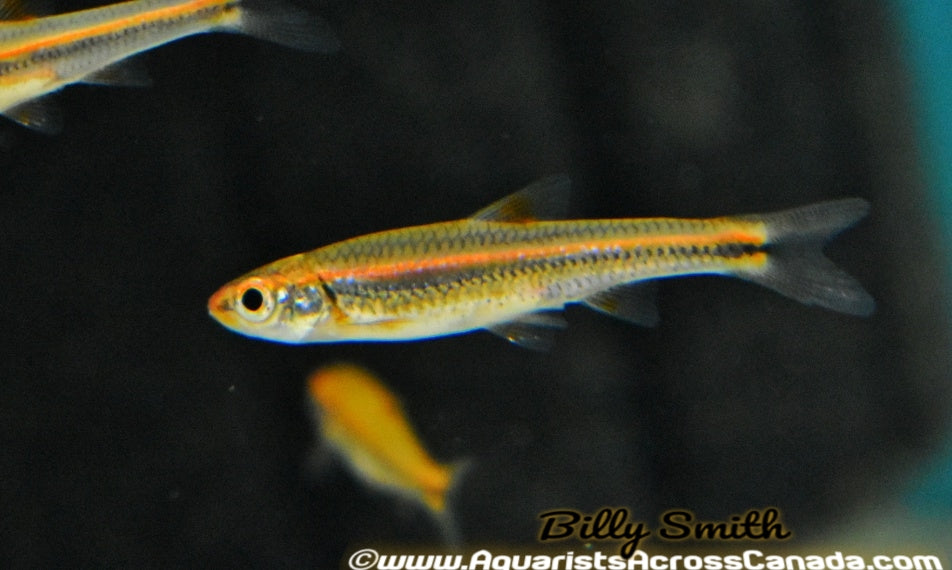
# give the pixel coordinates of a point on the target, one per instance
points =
(221, 307)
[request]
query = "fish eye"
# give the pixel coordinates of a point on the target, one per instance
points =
(252, 299)
(255, 301)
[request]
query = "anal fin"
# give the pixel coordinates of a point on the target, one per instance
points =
(126, 73)
(632, 302)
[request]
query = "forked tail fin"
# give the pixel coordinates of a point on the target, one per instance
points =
(795, 265)
(282, 23)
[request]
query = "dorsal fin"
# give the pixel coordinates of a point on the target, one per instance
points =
(541, 200)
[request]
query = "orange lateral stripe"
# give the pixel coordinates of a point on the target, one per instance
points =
(479, 258)
(165, 13)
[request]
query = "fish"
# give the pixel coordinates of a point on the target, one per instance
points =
(507, 271)
(40, 55)
(361, 422)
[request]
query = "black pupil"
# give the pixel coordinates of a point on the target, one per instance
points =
(252, 299)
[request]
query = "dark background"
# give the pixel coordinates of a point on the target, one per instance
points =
(134, 430)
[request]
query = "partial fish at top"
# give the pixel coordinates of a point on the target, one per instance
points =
(504, 271)
(41, 55)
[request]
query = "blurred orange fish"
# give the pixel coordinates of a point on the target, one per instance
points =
(364, 424)
(41, 55)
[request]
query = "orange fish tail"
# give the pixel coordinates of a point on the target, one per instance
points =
(439, 505)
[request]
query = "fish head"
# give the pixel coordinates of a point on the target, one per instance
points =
(271, 306)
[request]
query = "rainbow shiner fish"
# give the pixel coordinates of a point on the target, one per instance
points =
(41, 55)
(505, 271)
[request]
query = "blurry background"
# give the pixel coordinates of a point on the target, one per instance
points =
(134, 430)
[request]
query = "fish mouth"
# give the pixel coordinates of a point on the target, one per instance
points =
(221, 308)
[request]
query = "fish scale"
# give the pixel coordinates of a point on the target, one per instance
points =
(431, 279)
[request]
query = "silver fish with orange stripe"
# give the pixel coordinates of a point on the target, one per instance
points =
(506, 271)
(41, 55)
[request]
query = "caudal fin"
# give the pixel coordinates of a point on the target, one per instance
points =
(440, 505)
(795, 263)
(281, 23)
